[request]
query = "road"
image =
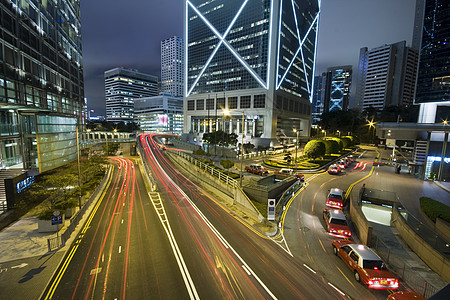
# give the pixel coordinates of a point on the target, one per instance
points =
(122, 252)
(305, 232)
(225, 257)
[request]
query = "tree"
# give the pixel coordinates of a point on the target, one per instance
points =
(314, 149)
(332, 146)
(248, 147)
(288, 158)
(220, 138)
(346, 142)
(340, 145)
(226, 164)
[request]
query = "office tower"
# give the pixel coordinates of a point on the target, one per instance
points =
(319, 96)
(122, 86)
(162, 113)
(172, 66)
(433, 82)
(386, 76)
(340, 79)
(251, 60)
(41, 83)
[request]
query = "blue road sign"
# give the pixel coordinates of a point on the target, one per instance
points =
(56, 220)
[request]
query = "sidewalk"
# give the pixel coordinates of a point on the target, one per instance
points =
(390, 244)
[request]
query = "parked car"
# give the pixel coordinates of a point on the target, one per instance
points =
(367, 267)
(334, 169)
(286, 171)
(335, 198)
(256, 169)
(336, 223)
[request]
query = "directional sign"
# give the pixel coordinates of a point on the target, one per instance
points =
(271, 209)
(56, 220)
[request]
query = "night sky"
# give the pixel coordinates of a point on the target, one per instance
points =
(117, 33)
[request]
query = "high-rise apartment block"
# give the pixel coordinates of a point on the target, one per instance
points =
(41, 83)
(386, 76)
(172, 66)
(122, 86)
(253, 59)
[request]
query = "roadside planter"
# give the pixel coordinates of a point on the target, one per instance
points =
(46, 225)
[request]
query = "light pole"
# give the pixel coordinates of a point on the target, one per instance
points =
(372, 124)
(242, 149)
(78, 164)
(296, 146)
(324, 133)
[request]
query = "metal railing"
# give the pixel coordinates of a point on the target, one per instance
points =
(404, 270)
(208, 169)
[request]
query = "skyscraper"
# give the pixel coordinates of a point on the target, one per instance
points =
(41, 83)
(319, 96)
(172, 66)
(340, 80)
(122, 86)
(386, 76)
(433, 81)
(251, 58)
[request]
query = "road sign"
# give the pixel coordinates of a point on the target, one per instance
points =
(56, 213)
(56, 220)
(271, 209)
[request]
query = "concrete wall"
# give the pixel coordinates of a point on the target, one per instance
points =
(431, 257)
(361, 225)
(225, 192)
(268, 189)
(443, 229)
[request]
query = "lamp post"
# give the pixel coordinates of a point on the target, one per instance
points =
(324, 133)
(372, 124)
(296, 146)
(242, 149)
(78, 164)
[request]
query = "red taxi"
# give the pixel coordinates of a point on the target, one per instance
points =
(335, 198)
(366, 265)
(336, 223)
(334, 169)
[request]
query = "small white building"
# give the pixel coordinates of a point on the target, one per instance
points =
(162, 113)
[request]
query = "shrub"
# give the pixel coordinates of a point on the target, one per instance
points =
(435, 209)
(314, 149)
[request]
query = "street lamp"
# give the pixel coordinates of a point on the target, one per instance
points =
(242, 150)
(324, 133)
(339, 133)
(372, 124)
(296, 145)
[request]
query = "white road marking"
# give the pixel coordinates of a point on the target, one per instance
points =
(120, 249)
(245, 269)
(20, 266)
(309, 268)
(336, 289)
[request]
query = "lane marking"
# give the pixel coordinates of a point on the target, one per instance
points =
(336, 289)
(322, 246)
(64, 266)
(345, 276)
(247, 271)
(120, 249)
(309, 268)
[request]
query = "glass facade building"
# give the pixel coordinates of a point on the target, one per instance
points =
(341, 79)
(122, 86)
(163, 113)
(433, 81)
(41, 83)
(251, 57)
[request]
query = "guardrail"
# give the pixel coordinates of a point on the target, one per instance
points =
(399, 266)
(207, 168)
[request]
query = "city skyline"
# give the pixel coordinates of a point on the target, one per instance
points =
(130, 42)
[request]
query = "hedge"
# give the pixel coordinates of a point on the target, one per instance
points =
(435, 209)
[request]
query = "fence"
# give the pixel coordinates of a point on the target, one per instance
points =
(207, 168)
(58, 242)
(404, 270)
